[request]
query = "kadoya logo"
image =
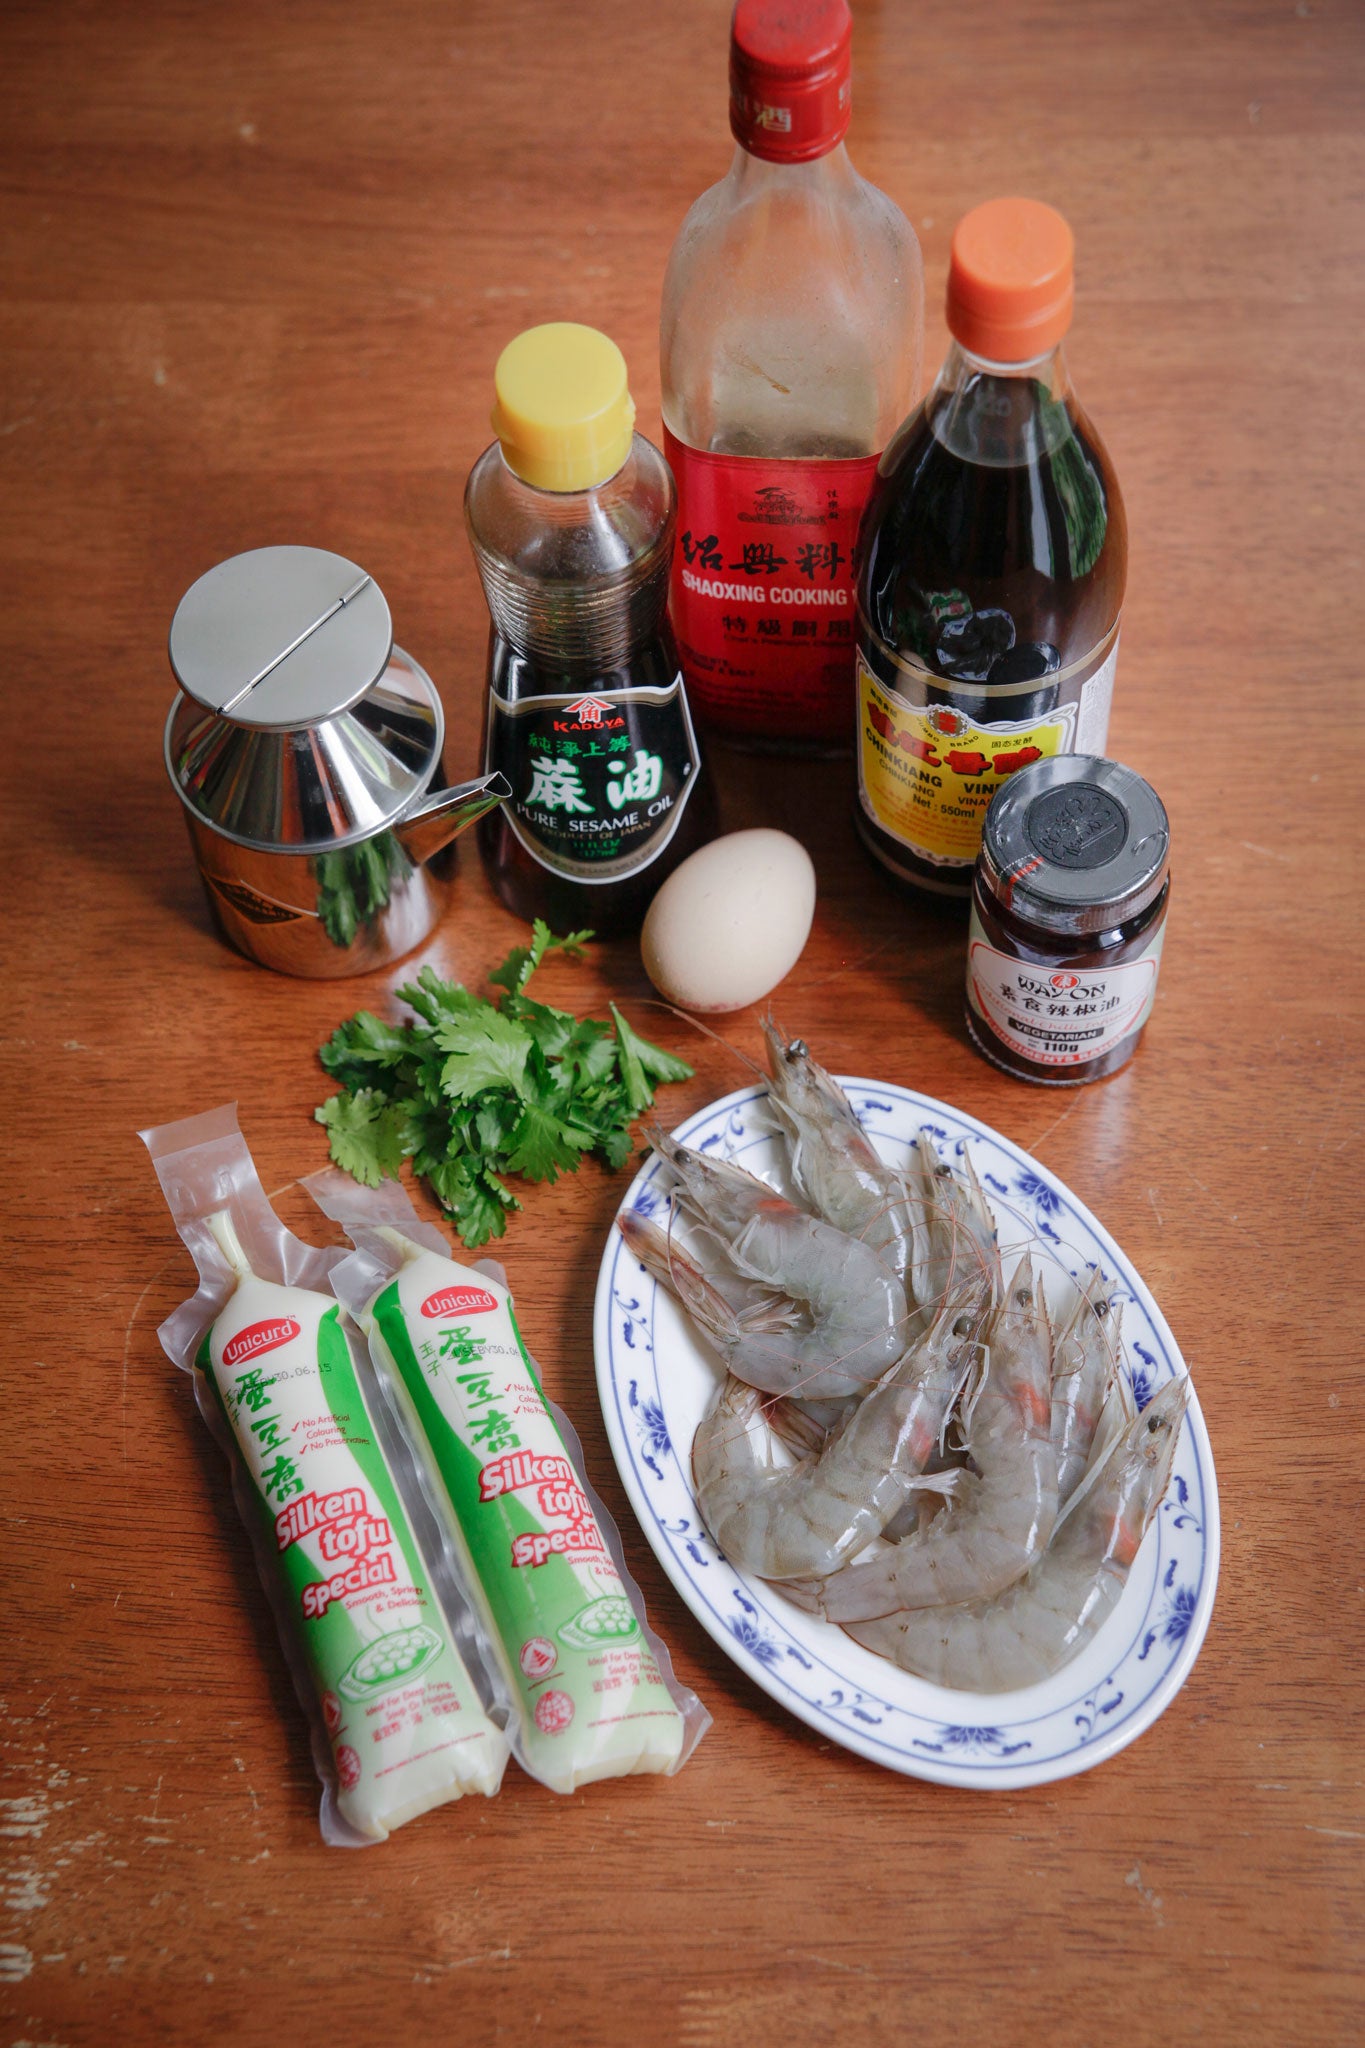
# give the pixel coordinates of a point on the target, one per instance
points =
(459, 1301)
(589, 711)
(259, 1337)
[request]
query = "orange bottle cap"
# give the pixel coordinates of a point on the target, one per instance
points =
(1010, 280)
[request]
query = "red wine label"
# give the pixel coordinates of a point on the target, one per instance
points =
(762, 592)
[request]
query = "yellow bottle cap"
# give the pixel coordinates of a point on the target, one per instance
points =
(564, 413)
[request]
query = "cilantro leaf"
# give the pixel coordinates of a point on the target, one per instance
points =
(660, 1065)
(589, 1054)
(640, 1059)
(493, 1121)
(543, 1146)
(615, 1146)
(364, 1040)
(367, 1136)
(476, 1199)
(433, 998)
(550, 1029)
(470, 1090)
(522, 962)
(487, 1050)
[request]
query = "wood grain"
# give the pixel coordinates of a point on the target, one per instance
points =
(259, 261)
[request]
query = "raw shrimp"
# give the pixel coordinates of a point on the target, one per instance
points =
(956, 1235)
(836, 1168)
(731, 1310)
(835, 1316)
(804, 1426)
(1006, 1508)
(720, 1291)
(1115, 1416)
(804, 1520)
(1035, 1627)
(929, 1225)
(1084, 1360)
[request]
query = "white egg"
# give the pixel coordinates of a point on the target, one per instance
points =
(731, 921)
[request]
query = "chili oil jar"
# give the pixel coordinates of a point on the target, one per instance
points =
(1068, 916)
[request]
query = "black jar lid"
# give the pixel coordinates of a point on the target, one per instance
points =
(1075, 844)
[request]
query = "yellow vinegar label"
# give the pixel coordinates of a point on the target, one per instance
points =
(926, 774)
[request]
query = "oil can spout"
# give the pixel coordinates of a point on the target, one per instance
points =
(445, 815)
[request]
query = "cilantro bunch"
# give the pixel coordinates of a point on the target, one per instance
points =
(472, 1090)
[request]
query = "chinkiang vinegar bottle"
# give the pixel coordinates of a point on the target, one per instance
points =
(791, 344)
(993, 557)
(571, 519)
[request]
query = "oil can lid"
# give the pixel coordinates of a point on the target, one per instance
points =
(1076, 844)
(281, 638)
(299, 726)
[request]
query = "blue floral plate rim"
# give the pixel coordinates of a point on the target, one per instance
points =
(1094, 1707)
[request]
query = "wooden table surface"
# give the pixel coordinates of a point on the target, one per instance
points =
(259, 261)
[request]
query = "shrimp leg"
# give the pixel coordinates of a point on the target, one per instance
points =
(1007, 1510)
(804, 1520)
(1036, 1626)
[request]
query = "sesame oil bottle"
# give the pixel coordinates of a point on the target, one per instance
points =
(570, 515)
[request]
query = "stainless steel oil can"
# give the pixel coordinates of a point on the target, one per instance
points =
(306, 749)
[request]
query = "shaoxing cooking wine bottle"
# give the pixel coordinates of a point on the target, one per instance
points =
(571, 519)
(791, 344)
(993, 557)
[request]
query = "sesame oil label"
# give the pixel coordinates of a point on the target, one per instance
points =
(599, 778)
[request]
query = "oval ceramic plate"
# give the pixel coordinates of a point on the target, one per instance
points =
(656, 1380)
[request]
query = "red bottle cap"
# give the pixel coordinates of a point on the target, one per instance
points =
(790, 62)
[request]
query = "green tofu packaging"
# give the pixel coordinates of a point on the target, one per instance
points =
(562, 1620)
(381, 1666)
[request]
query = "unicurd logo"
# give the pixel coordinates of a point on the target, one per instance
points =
(459, 1301)
(259, 1337)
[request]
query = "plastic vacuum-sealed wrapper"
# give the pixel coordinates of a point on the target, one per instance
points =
(398, 1723)
(594, 1685)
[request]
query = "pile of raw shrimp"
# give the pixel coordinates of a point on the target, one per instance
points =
(964, 1482)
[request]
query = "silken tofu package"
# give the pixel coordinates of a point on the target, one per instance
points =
(398, 1723)
(593, 1686)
